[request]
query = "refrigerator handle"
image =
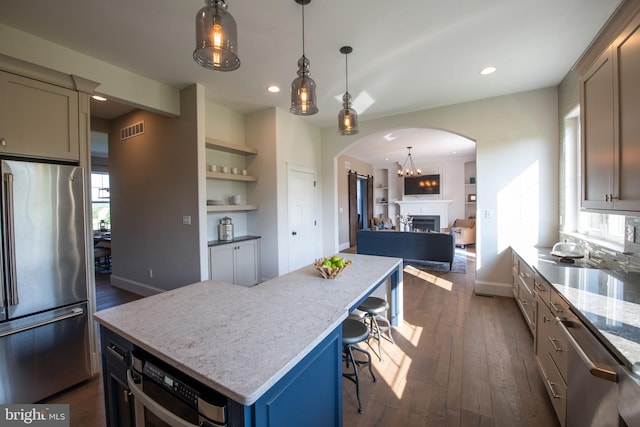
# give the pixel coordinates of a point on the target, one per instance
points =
(75, 312)
(10, 248)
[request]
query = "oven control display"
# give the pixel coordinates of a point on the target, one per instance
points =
(177, 387)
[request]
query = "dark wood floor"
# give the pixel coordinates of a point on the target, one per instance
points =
(459, 360)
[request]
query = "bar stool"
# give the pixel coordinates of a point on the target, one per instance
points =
(354, 332)
(374, 308)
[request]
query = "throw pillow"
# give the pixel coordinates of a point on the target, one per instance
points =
(380, 224)
(387, 225)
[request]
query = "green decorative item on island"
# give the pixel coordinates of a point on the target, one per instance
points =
(332, 267)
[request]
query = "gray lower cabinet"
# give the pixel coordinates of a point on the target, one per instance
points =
(235, 262)
(38, 119)
(551, 350)
(119, 405)
(523, 287)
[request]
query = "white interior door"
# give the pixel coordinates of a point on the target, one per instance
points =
(302, 219)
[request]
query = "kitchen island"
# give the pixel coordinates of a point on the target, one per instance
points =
(273, 350)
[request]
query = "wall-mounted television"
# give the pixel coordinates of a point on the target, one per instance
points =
(425, 184)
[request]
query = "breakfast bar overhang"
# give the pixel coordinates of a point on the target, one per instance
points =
(274, 350)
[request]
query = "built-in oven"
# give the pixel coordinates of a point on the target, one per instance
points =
(164, 396)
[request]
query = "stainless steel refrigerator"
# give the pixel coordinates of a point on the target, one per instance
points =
(44, 336)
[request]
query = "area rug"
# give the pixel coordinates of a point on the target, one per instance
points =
(459, 264)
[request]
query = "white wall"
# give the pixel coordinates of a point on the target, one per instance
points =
(517, 173)
(281, 139)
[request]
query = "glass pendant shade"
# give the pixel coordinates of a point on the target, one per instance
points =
(347, 118)
(216, 37)
(303, 91)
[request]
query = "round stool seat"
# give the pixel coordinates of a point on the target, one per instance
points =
(374, 305)
(353, 331)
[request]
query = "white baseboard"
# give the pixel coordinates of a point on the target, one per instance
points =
(493, 289)
(343, 246)
(135, 287)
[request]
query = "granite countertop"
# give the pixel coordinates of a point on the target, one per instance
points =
(607, 301)
(235, 240)
(241, 341)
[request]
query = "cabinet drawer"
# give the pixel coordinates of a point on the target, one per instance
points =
(559, 307)
(556, 388)
(526, 276)
(527, 305)
(550, 340)
(542, 289)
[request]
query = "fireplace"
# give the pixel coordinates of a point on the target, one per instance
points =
(425, 222)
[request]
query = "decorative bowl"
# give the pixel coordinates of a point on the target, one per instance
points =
(330, 272)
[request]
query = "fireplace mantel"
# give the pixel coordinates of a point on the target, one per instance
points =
(426, 207)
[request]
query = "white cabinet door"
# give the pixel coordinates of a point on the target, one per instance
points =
(246, 257)
(221, 263)
(235, 263)
(38, 119)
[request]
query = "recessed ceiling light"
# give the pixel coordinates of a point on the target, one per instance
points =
(99, 98)
(273, 88)
(488, 70)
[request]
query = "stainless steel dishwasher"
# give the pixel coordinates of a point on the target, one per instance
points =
(592, 379)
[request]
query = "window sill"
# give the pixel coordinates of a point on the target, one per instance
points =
(606, 244)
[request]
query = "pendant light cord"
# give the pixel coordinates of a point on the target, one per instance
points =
(303, 30)
(346, 72)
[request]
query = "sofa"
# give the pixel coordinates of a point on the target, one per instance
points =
(465, 231)
(439, 247)
(381, 223)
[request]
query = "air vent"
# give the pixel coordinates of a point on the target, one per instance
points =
(131, 131)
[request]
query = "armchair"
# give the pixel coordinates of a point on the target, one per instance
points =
(382, 223)
(464, 230)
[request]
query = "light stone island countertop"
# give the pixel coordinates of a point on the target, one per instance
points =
(241, 341)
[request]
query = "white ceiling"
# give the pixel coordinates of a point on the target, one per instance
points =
(408, 55)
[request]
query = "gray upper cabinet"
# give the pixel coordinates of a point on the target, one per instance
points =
(38, 119)
(610, 107)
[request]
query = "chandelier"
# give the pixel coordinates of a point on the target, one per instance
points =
(411, 170)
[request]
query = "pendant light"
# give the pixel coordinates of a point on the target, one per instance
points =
(347, 118)
(411, 171)
(216, 37)
(303, 88)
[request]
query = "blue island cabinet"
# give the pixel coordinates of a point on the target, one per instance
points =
(309, 395)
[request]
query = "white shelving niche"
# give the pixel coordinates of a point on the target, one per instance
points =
(470, 194)
(381, 193)
(222, 186)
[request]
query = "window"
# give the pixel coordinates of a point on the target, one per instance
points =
(100, 201)
(602, 226)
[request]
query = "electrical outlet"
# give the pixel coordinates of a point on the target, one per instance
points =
(488, 213)
(186, 220)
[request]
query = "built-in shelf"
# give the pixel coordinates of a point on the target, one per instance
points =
(232, 208)
(231, 177)
(216, 144)
(229, 148)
